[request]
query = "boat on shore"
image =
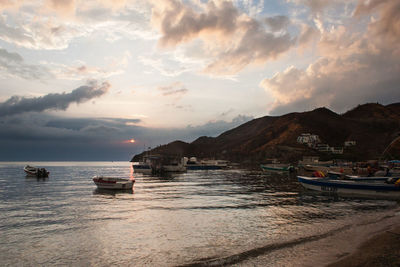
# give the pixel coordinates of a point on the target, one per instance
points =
(373, 187)
(114, 183)
(37, 172)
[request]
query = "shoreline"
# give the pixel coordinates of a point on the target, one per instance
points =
(382, 249)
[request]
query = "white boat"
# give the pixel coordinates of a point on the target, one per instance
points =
(104, 182)
(37, 172)
(372, 187)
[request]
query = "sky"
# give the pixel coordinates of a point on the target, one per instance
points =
(82, 79)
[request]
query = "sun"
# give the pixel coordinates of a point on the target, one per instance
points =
(132, 141)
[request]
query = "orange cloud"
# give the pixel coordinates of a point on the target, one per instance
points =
(64, 7)
(230, 39)
(387, 26)
(353, 67)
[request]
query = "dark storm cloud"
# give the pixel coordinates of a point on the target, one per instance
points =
(17, 105)
(80, 123)
(38, 136)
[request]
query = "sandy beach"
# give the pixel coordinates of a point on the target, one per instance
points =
(382, 249)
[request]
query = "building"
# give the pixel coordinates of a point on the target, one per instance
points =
(337, 150)
(308, 139)
(323, 148)
(349, 143)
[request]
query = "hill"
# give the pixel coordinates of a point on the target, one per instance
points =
(372, 126)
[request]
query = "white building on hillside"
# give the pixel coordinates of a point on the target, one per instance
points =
(308, 139)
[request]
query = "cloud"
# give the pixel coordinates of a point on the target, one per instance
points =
(168, 64)
(12, 64)
(17, 105)
(316, 6)
(353, 67)
(277, 23)
(62, 6)
(40, 33)
(387, 26)
(176, 89)
(62, 21)
(230, 39)
(39, 136)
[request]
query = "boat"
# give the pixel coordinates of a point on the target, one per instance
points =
(314, 168)
(277, 168)
(37, 172)
(193, 164)
(173, 167)
(142, 167)
(115, 183)
(373, 187)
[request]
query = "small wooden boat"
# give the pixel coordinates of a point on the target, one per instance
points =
(37, 172)
(372, 187)
(115, 183)
(277, 168)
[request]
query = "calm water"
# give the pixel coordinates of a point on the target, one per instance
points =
(201, 217)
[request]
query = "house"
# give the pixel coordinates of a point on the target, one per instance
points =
(349, 143)
(308, 139)
(337, 150)
(323, 148)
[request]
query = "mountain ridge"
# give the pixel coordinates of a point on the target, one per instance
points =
(373, 126)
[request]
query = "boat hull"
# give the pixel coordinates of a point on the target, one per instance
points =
(36, 172)
(113, 184)
(142, 169)
(351, 187)
(275, 168)
(203, 167)
(173, 168)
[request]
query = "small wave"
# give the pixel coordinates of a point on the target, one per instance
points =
(240, 257)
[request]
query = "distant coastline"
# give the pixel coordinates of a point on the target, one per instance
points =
(368, 129)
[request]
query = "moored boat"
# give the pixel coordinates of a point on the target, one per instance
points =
(373, 187)
(142, 167)
(37, 172)
(276, 168)
(173, 167)
(104, 182)
(193, 164)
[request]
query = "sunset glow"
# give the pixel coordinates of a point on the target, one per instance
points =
(172, 69)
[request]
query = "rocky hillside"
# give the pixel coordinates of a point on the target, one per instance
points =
(372, 126)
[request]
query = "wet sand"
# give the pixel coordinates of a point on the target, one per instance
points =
(382, 249)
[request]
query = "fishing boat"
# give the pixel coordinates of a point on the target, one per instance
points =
(276, 168)
(194, 164)
(374, 187)
(37, 172)
(142, 167)
(173, 167)
(115, 183)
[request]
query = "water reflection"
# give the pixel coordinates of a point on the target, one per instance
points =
(110, 192)
(35, 178)
(164, 220)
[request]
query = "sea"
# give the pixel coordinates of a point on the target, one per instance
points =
(232, 217)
